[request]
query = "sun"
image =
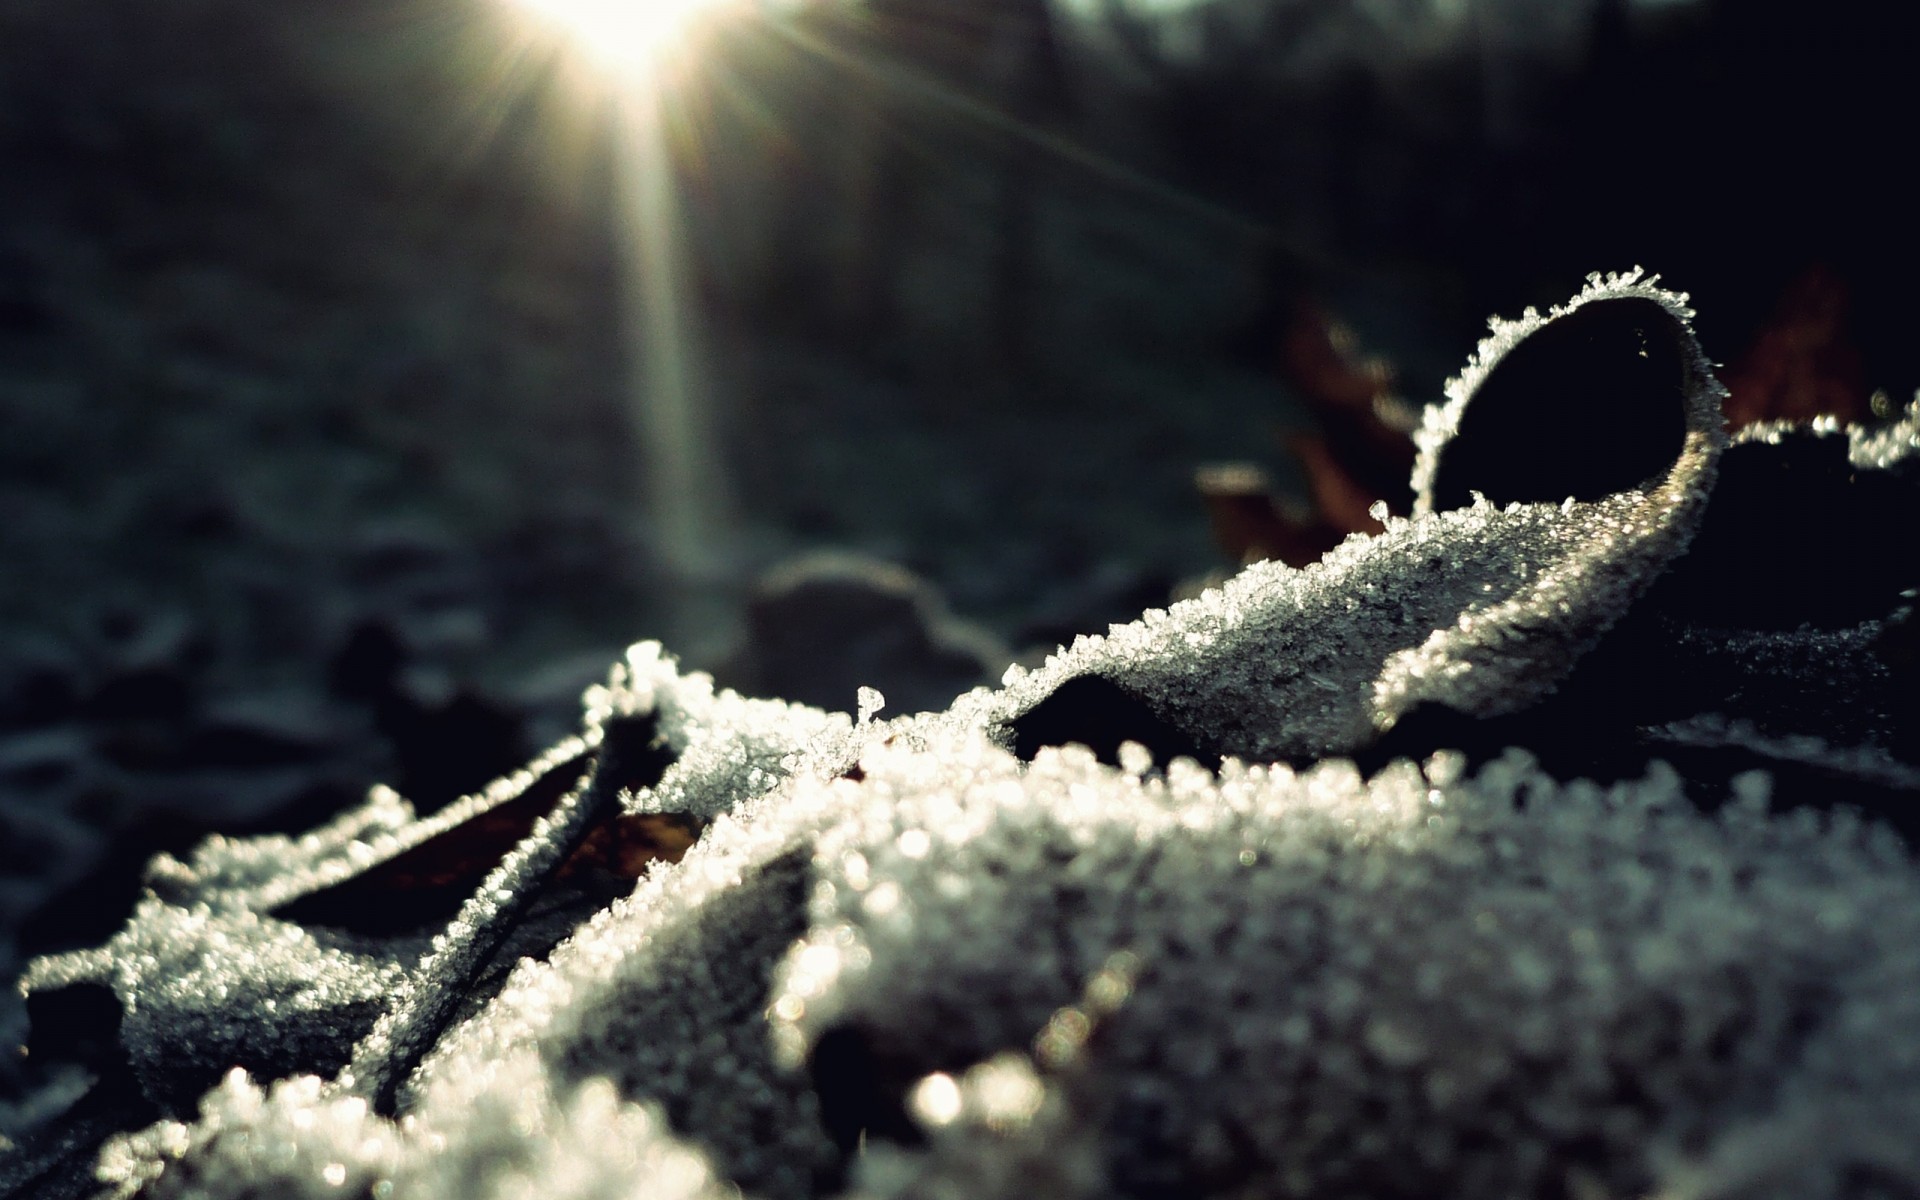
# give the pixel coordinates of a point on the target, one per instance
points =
(626, 35)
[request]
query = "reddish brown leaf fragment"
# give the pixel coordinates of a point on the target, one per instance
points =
(1250, 525)
(1804, 362)
(1359, 453)
(1321, 358)
(1341, 501)
(427, 884)
(628, 844)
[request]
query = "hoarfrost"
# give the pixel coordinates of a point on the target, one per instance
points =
(1482, 608)
(954, 955)
(297, 1138)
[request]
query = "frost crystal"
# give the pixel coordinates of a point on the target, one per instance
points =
(1035, 944)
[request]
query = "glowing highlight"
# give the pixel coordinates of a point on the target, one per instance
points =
(626, 35)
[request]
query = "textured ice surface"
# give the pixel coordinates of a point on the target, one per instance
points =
(903, 960)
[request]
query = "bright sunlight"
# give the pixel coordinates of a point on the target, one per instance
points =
(640, 56)
(627, 35)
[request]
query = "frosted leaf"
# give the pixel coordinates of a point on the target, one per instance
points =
(199, 988)
(1619, 351)
(924, 965)
(1449, 958)
(1865, 762)
(727, 748)
(1483, 608)
(299, 1140)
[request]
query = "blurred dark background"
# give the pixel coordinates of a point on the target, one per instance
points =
(319, 465)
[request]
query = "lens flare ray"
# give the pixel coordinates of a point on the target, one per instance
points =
(637, 55)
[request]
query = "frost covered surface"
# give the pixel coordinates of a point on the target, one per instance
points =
(1291, 984)
(296, 1138)
(1412, 987)
(1484, 608)
(727, 747)
(947, 955)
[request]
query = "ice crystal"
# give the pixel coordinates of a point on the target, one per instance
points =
(956, 954)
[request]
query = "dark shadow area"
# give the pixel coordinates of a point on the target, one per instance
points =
(424, 887)
(1095, 712)
(1591, 404)
(1607, 721)
(57, 1162)
(1795, 534)
(78, 1024)
(862, 1094)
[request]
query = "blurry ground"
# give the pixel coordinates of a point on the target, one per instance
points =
(317, 465)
